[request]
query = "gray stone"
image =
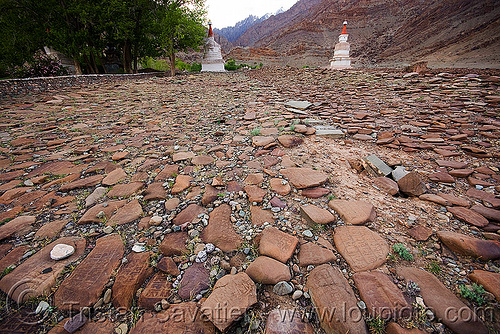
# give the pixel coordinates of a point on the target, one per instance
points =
(282, 288)
(329, 132)
(61, 251)
(376, 165)
(301, 105)
(73, 324)
(399, 173)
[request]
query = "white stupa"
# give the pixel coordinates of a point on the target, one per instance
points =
(341, 58)
(212, 59)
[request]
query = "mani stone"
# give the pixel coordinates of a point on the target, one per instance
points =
(469, 246)
(354, 212)
(314, 215)
(395, 328)
(376, 166)
(126, 214)
(195, 279)
(490, 281)
(387, 185)
(312, 253)
(330, 291)
(281, 321)
(361, 247)
(158, 288)
(277, 244)
(16, 226)
(301, 105)
(304, 177)
(220, 231)
(30, 279)
(85, 284)
(260, 216)
(178, 319)
(445, 305)
(188, 215)
(267, 270)
(329, 132)
(468, 216)
(382, 297)
(232, 295)
(130, 278)
(174, 244)
(61, 251)
(412, 184)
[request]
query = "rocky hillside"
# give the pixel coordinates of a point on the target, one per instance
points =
(233, 33)
(450, 33)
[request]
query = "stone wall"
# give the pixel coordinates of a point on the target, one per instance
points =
(16, 87)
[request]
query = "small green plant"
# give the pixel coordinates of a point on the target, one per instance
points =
(256, 131)
(474, 293)
(434, 267)
(221, 195)
(376, 325)
(292, 127)
(6, 271)
(412, 288)
(420, 315)
(403, 253)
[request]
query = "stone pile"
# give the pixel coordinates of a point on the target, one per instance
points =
(239, 200)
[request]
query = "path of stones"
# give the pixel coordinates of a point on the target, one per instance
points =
(211, 202)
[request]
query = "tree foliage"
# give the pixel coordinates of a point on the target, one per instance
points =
(90, 31)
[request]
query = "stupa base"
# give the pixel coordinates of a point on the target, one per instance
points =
(217, 67)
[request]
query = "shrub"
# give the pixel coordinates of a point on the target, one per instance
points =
(41, 65)
(403, 253)
(474, 293)
(195, 67)
(155, 64)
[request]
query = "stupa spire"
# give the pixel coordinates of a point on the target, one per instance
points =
(210, 31)
(344, 30)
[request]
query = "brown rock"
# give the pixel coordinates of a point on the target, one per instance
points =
(158, 288)
(304, 177)
(155, 191)
(468, 216)
(461, 172)
(82, 183)
(104, 327)
(202, 160)
(17, 226)
(260, 216)
(220, 231)
(488, 213)
(114, 177)
(188, 215)
(126, 214)
(91, 216)
(444, 304)
(314, 215)
(195, 279)
(290, 140)
(167, 172)
(469, 246)
(382, 297)
(282, 321)
(254, 179)
(453, 200)
(130, 278)
(172, 204)
(490, 281)
(315, 192)
(174, 244)
(434, 198)
(412, 184)
(262, 140)
(330, 291)
(13, 257)
(120, 155)
(395, 328)
(10, 213)
(85, 284)
(238, 292)
(182, 182)
(277, 244)
(484, 196)
(354, 212)
(386, 185)
(125, 190)
(12, 194)
(420, 233)
(442, 177)
(255, 193)
(316, 253)
(210, 195)
(30, 279)
(168, 266)
(169, 321)
(361, 247)
(451, 164)
(234, 187)
(50, 229)
(266, 270)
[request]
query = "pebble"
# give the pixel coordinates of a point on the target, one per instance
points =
(282, 288)
(61, 251)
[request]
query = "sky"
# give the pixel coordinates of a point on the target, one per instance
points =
(225, 13)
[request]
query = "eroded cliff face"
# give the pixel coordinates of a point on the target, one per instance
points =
(447, 33)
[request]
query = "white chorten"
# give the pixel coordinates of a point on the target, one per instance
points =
(341, 58)
(212, 59)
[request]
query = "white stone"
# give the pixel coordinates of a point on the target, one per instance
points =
(138, 248)
(61, 251)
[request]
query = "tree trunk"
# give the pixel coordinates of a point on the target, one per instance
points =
(93, 63)
(78, 67)
(172, 63)
(127, 57)
(135, 64)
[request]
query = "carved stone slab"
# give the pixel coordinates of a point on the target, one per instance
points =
(158, 288)
(231, 297)
(220, 231)
(282, 321)
(361, 247)
(30, 280)
(316, 253)
(84, 286)
(334, 300)
(130, 278)
(277, 244)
